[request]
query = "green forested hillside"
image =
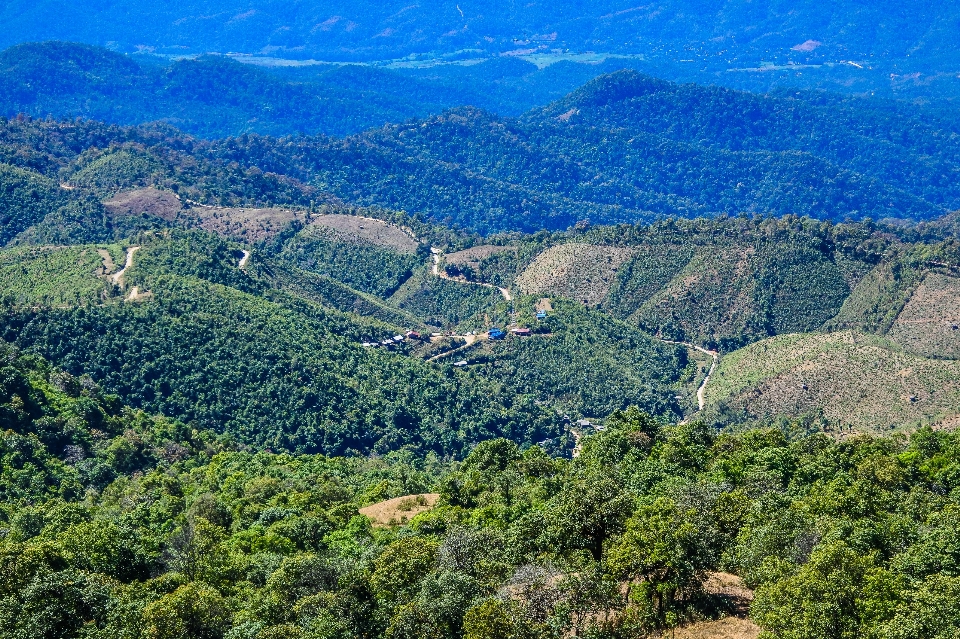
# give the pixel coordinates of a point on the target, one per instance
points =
(720, 282)
(121, 524)
(25, 198)
(584, 362)
(622, 149)
(206, 343)
(627, 146)
(250, 386)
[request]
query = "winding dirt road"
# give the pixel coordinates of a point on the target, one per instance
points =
(117, 277)
(469, 339)
(436, 254)
(701, 392)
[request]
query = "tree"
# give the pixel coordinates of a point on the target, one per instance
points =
(490, 619)
(837, 594)
(588, 511)
(197, 552)
(931, 611)
(55, 605)
(192, 611)
(662, 554)
(399, 570)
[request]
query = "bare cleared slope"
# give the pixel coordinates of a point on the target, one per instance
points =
(929, 323)
(863, 381)
(582, 272)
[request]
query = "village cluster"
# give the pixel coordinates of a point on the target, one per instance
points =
(492, 334)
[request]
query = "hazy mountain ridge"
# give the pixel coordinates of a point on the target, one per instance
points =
(339, 30)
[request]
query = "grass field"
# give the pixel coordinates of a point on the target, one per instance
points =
(473, 255)
(583, 272)
(858, 380)
(163, 204)
(366, 230)
(929, 323)
(399, 510)
(248, 225)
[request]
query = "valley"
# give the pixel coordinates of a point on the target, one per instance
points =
(342, 357)
(722, 288)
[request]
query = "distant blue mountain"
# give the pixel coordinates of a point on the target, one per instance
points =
(216, 96)
(887, 47)
(622, 147)
(906, 34)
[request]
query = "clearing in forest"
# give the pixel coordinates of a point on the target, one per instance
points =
(929, 324)
(163, 204)
(858, 380)
(399, 510)
(726, 628)
(250, 225)
(472, 256)
(367, 230)
(734, 596)
(583, 272)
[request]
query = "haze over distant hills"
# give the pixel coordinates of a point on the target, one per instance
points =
(855, 46)
(216, 96)
(624, 147)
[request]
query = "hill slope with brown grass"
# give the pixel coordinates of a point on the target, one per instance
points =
(853, 379)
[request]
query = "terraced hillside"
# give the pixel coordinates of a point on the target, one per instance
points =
(366, 253)
(856, 380)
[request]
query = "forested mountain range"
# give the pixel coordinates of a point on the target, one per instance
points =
(846, 45)
(625, 299)
(216, 96)
(210, 96)
(642, 358)
(121, 524)
(623, 148)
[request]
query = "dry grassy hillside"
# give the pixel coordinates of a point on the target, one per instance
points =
(859, 380)
(367, 230)
(151, 201)
(929, 323)
(583, 272)
(250, 225)
(472, 256)
(399, 510)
